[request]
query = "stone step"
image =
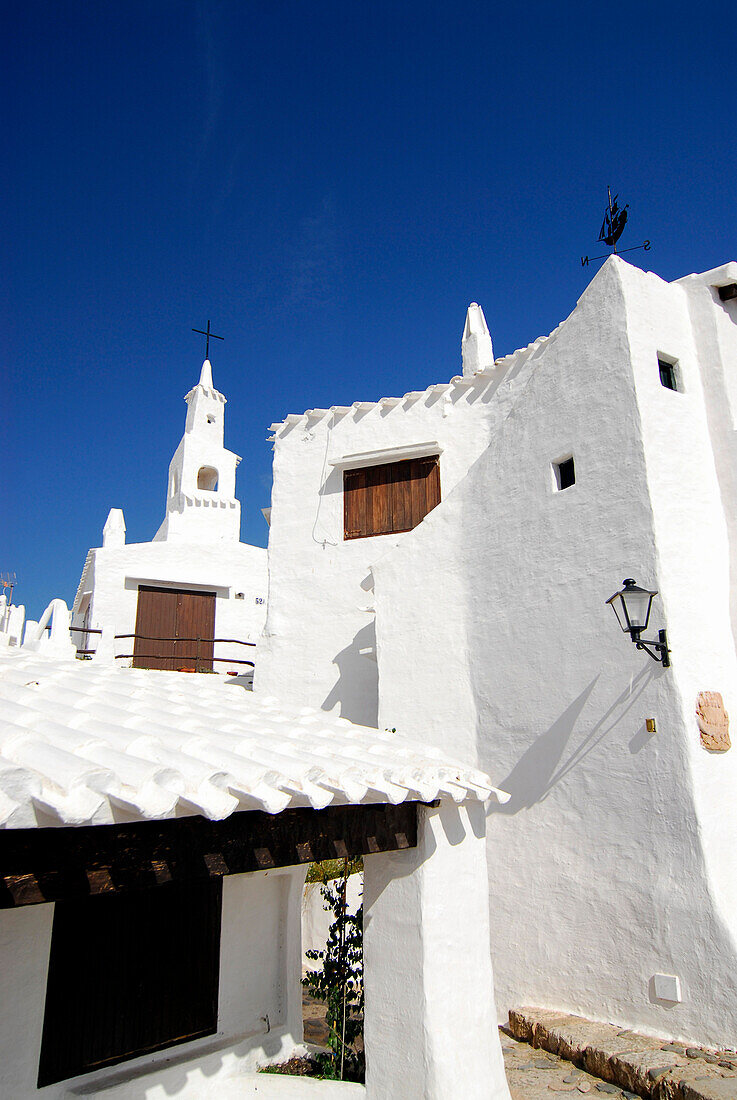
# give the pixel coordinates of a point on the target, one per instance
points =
(637, 1065)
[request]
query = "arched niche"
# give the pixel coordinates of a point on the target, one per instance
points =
(207, 478)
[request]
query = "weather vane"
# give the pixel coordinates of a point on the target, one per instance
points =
(612, 228)
(210, 336)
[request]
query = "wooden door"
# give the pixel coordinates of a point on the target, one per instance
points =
(195, 621)
(168, 623)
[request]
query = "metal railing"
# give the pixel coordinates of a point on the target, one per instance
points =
(197, 656)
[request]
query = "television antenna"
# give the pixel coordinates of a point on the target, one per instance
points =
(7, 580)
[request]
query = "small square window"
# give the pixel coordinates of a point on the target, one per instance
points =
(565, 473)
(668, 375)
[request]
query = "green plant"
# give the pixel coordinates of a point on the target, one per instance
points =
(333, 868)
(339, 983)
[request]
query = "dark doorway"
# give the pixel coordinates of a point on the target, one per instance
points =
(129, 974)
(174, 629)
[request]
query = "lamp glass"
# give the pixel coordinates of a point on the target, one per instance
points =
(637, 603)
(632, 606)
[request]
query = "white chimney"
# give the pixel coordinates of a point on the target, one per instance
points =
(113, 533)
(476, 346)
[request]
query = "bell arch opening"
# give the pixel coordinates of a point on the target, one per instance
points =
(207, 478)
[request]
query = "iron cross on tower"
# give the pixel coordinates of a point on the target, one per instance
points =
(208, 334)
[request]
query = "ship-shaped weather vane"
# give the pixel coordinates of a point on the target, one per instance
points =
(612, 228)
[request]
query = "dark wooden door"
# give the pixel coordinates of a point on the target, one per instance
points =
(195, 622)
(128, 974)
(169, 622)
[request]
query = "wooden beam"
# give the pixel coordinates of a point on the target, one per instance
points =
(41, 865)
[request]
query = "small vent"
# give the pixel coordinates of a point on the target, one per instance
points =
(728, 292)
(668, 377)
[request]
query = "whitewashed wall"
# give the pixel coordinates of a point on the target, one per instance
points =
(318, 646)
(259, 1011)
(429, 1028)
(614, 859)
(113, 574)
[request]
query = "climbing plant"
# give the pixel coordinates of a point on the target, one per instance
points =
(338, 982)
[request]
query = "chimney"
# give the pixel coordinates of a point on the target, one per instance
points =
(476, 346)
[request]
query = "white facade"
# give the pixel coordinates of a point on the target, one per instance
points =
(196, 548)
(614, 861)
(320, 625)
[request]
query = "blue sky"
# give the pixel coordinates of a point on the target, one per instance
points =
(331, 183)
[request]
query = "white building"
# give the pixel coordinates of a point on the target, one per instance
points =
(154, 834)
(195, 579)
(460, 544)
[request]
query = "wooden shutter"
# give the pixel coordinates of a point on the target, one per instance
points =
(129, 974)
(166, 615)
(355, 501)
(387, 499)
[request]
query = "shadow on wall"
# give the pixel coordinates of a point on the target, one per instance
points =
(176, 1075)
(542, 766)
(456, 830)
(356, 690)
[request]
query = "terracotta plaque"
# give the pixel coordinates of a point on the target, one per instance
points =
(713, 721)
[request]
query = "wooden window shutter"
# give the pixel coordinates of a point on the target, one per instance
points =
(390, 498)
(130, 973)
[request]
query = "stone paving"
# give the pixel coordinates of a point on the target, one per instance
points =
(534, 1074)
(654, 1068)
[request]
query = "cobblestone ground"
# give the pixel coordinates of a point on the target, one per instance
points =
(532, 1074)
(536, 1075)
(313, 1016)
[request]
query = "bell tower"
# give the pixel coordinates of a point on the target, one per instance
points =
(201, 505)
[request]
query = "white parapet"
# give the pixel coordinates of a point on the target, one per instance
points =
(56, 619)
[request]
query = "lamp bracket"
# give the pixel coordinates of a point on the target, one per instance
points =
(662, 653)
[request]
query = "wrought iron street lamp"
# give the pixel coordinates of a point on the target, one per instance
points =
(632, 606)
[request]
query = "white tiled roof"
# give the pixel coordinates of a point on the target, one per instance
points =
(85, 743)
